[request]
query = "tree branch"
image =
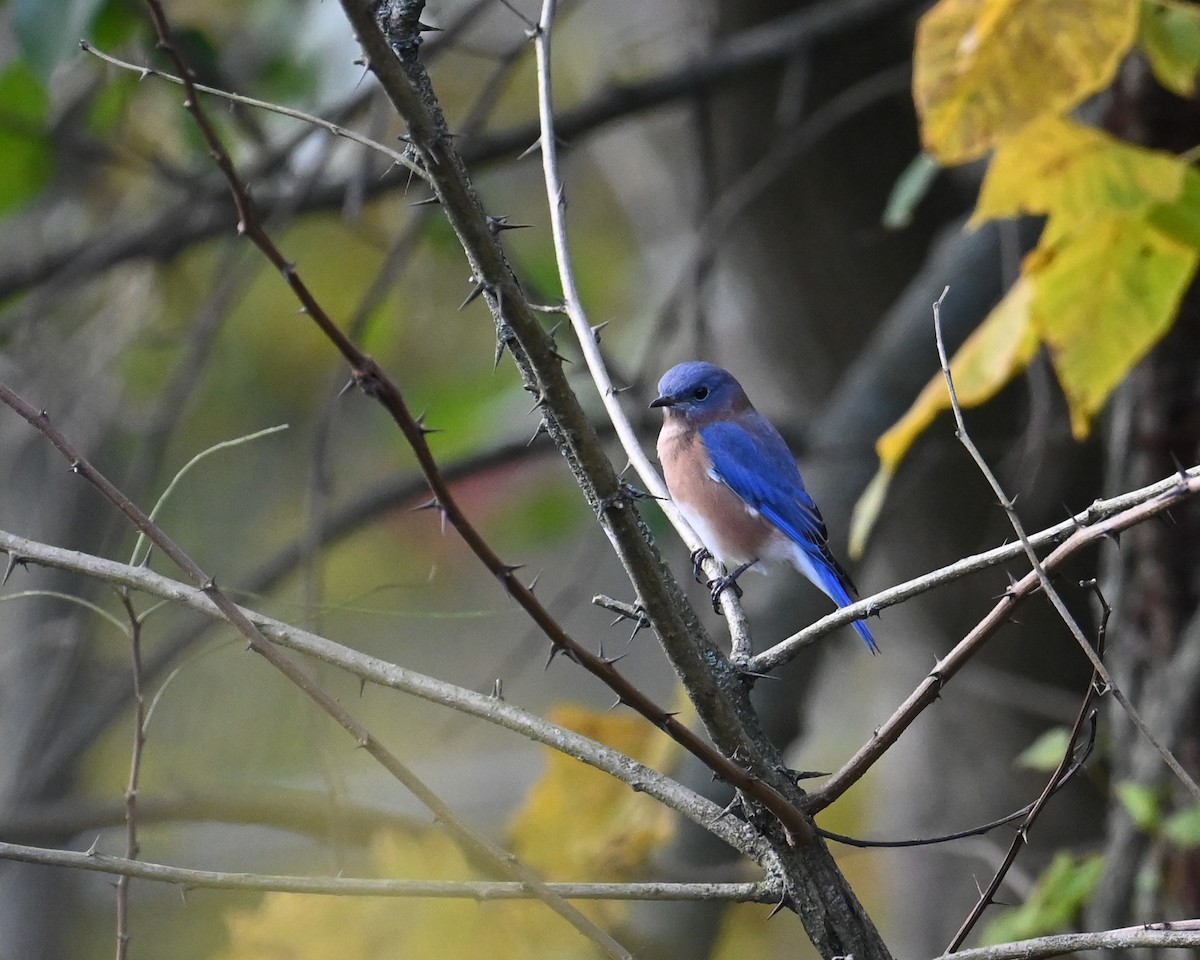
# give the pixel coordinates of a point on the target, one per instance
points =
(354, 887)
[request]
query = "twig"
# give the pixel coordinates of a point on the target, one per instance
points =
(353, 887)
(589, 343)
(396, 156)
(733, 831)
(1169, 933)
(787, 649)
(1043, 580)
(135, 766)
(1184, 486)
(1061, 773)
(466, 835)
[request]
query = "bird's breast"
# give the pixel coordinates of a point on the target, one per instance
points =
(730, 528)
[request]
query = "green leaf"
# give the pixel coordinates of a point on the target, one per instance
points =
(1142, 805)
(48, 31)
(909, 190)
(1047, 751)
(1183, 828)
(26, 158)
(1169, 33)
(1053, 903)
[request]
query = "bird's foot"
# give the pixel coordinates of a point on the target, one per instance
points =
(721, 584)
(699, 555)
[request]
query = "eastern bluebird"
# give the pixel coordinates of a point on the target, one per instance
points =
(736, 483)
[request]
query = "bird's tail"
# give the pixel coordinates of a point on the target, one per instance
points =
(834, 581)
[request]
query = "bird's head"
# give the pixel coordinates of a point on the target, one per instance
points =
(698, 390)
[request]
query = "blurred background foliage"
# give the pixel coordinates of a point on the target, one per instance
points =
(130, 309)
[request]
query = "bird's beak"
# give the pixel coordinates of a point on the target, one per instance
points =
(663, 402)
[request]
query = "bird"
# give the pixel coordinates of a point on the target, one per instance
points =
(732, 476)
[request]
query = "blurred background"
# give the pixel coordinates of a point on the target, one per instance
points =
(729, 165)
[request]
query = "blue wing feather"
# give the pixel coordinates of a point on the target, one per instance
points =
(753, 460)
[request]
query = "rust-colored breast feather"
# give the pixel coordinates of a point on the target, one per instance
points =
(733, 532)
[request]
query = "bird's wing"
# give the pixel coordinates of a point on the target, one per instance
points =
(754, 462)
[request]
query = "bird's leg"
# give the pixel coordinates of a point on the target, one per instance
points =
(699, 555)
(716, 587)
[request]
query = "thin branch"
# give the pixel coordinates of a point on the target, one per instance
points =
(787, 649)
(135, 767)
(467, 836)
(1182, 487)
(589, 343)
(353, 887)
(1064, 770)
(738, 834)
(1043, 580)
(1169, 933)
(396, 156)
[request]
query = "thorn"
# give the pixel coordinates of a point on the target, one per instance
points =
(799, 775)
(433, 503)
(617, 391)
(427, 202)
(362, 686)
(555, 650)
(480, 286)
(497, 689)
(91, 851)
(779, 906)
(426, 28)
(425, 431)
(208, 586)
(500, 345)
(533, 583)
(14, 560)
(636, 493)
(498, 225)
(1179, 467)
(541, 428)
(598, 328)
(536, 145)
(537, 404)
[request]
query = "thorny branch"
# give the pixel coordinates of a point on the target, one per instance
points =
(1042, 579)
(471, 840)
(733, 831)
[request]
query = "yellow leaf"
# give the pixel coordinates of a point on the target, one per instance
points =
(985, 68)
(993, 354)
(999, 349)
(1169, 33)
(1102, 299)
(580, 823)
(1073, 172)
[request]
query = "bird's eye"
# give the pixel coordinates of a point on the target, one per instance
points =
(700, 393)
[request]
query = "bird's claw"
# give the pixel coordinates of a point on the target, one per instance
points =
(718, 586)
(699, 555)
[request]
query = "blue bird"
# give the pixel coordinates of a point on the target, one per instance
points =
(736, 483)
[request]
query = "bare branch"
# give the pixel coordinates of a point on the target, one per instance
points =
(352, 887)
(466, 835)
(787, 649)
(1182, 487)
(733, 831)
(1170, 933)
(1043, 580)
